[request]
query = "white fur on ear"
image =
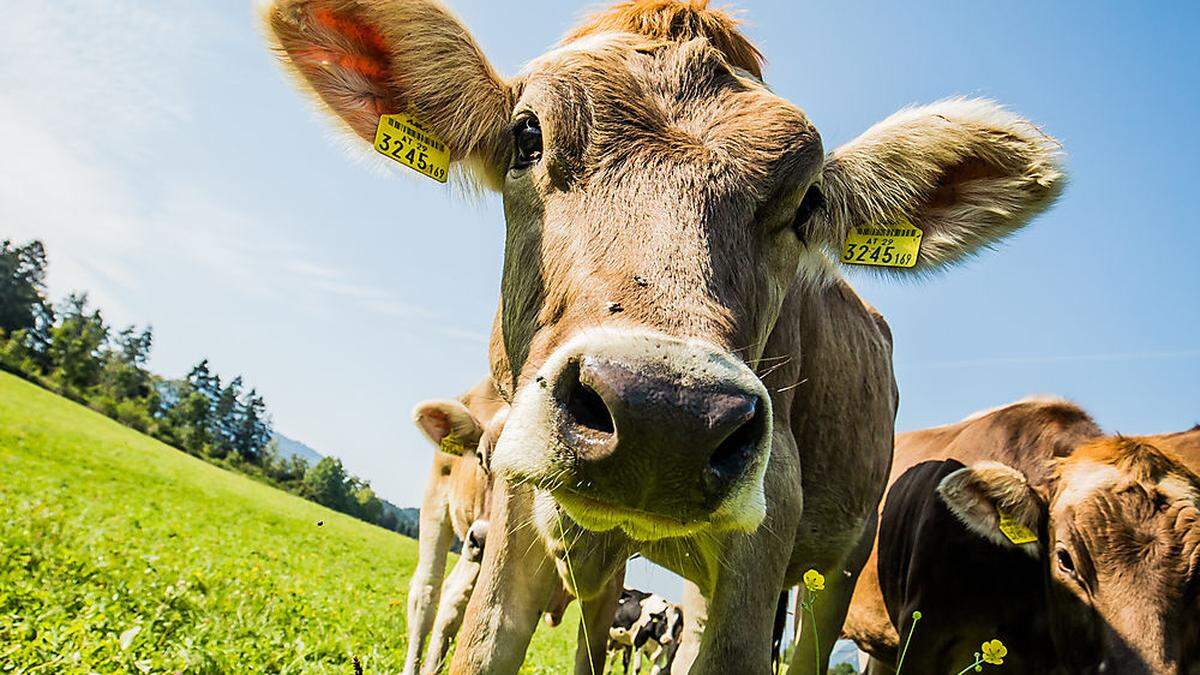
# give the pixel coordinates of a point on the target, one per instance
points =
(983, 494)
(966, 171)
(448, 424)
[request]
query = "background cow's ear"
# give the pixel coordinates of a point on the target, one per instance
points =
(448, 424)
(365, 58)
(965, 171)
(996, 502)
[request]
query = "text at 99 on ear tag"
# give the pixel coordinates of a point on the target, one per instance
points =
(405, 139)
(893, 245)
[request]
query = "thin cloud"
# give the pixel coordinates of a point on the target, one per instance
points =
(1065, 358)
(77, 96)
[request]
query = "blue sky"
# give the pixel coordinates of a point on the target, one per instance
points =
(173, 172)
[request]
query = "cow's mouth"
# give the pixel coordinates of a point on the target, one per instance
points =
(599, 516)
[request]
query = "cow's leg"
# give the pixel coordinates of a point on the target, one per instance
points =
(663, 664)
(433, 543)
(455, 595)
(653, 658)
(516, 580)
(596, 617)
(830, 608)
(650, 653)
(695, 615)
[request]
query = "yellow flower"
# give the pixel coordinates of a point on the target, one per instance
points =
(994, 652)
(814, 580)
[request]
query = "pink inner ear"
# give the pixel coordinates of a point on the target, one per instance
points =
(435, 424)
(346, 61)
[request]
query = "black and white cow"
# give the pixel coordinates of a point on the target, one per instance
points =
(647, 625)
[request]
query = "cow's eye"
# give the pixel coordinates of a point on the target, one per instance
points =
(813, 200)
(1065, 562)
(527, 139)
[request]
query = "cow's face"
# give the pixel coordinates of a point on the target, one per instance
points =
(652, 204)
(1120, 536)
(661, 202)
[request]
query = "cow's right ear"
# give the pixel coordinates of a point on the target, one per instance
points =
(365, 58)
(448, 424)
(996, 502)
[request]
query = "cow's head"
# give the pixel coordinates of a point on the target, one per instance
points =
(661, 201)
(1119, 530)
(455, 427)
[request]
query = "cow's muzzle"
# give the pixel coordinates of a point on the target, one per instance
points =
(657, 435)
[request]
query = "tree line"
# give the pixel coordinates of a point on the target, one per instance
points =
(70, 348)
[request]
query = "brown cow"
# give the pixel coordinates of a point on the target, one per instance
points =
(1120, 590)
(456, 503)
(456, 496)
(687, 369)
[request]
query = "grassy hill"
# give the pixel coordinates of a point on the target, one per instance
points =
(120, 554)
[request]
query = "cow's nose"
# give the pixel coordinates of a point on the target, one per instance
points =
(663, 432)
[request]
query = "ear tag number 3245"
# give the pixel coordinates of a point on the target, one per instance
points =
(895, 244)
(405, 139)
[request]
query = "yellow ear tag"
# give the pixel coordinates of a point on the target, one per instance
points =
(451, 446)
(407, 140)
(895, 244)
(1016, 532)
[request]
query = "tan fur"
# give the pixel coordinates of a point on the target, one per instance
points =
(965, 171)
(457, 497)
(387, 56)
(675, 21)
(1132, 503)
(1040, 426)
(668, 188)
(457, 494)
(978, 494)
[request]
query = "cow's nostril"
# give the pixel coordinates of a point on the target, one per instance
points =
(733, 455)
(588, 409)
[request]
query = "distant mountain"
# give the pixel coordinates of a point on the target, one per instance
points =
(289, 448)
(406, 520)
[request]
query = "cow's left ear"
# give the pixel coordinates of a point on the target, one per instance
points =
(996, 502)
(965, 171)
(448, 424)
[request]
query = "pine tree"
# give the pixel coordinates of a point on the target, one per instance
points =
(76, 343)
(254, 428)
(227, 416)
(125, 373)
(23, 304)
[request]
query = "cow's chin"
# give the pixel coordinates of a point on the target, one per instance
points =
(743, 512)
(598, 516)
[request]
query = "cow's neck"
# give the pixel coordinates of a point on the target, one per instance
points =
(836, 401)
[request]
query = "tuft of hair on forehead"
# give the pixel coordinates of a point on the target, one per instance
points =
(1144, 462)
(678, 21)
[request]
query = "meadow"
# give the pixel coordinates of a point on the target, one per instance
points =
(121, 554)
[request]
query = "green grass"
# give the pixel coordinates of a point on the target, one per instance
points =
(120, 554)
